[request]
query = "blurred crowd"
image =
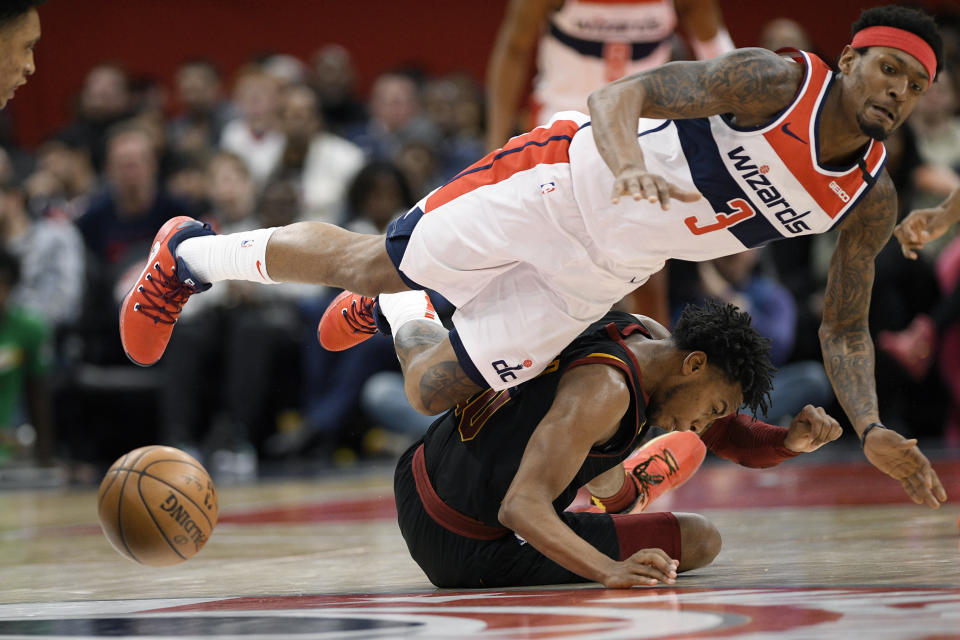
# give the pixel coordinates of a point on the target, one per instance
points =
(283, 139)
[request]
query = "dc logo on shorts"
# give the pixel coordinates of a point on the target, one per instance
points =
(246, 243)
(506, 372)
(548, 187)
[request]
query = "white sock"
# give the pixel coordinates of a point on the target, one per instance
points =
(235, 256)
(406, 306)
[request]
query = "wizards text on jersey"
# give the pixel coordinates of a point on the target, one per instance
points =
(768, 194)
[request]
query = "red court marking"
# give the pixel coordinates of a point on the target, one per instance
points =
(585, 612)
(376, 508)
(718, 485)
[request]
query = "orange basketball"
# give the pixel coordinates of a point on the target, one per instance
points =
(157, 505)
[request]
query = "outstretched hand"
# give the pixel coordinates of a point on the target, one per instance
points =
(919, 228)
(639, 183)
(902, 460)
(811, 429)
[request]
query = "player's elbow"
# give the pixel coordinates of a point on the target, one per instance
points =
(512, 512)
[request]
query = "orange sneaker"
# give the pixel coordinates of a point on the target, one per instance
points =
(664, 463)
(153, 305)
(347, 322)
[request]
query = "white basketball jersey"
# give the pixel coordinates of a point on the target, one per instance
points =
(589, 43)
(758, 183)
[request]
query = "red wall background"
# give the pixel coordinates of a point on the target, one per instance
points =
(151, 37)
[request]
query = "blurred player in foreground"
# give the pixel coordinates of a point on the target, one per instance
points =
(19, 35)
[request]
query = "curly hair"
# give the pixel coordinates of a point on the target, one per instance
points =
(915, 21)
(724, 333)
(10, 10)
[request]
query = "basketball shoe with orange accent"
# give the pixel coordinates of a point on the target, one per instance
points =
(348, 321)
(153, 305)
(663, 464)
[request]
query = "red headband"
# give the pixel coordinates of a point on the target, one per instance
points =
(898, 39)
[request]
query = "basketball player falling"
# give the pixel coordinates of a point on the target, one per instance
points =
(530, 248)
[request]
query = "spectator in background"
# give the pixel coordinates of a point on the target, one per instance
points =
(105, 100)
(460, 144)
(188, 181)
(936, 124)
(63, 180)
(255, 136)
(395, 118)
(204, 112)
(119, 223)
(285, 69)
(25, 360)
(781, 33)
(421, 167)
(736, 280)
(51, 257)
(333, 78)
(320, 163)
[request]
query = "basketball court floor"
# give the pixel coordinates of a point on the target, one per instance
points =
(824, 547)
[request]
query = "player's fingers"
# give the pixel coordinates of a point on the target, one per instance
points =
(934, 481)
(624, 187)
(906, 444)
(835, 431)
(649, 188)
(911, 490)
(663, 192)
(620, 188)
(922, 486)
(908, 252)
(925, 491)
(683, 196)
(635, 187)
(653, 574)
(657, 560)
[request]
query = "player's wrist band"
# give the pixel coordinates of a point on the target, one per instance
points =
(871, 426)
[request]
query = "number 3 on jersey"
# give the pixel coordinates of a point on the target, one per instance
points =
(742, 211)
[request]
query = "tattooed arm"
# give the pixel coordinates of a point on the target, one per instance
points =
(750, 84)
(848, 348)
(432, 377)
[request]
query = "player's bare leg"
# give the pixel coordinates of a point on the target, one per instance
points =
(320, 253)
(433, 379)
(186, 256)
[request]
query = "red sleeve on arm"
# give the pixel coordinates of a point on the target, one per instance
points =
(747, 442)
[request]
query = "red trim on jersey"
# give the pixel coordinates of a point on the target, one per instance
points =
(799, 158)
(445, 515)
(543, 145)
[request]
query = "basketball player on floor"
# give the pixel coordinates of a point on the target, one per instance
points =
(19, 35)
(582, 45)
(481, 498)
(530, 249)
